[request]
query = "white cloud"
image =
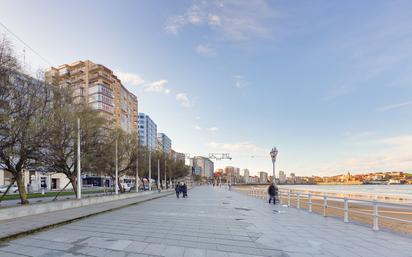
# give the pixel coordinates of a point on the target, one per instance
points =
(214, 20)
(213, 129)
(205, 50)
(394, 154)
(394, 106)
(232, 20)
(184, 100)
(244, 148)
(158, 86)
(197, 127)
(129, 78)
(240, 81)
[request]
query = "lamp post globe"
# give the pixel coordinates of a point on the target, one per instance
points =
(274, 154)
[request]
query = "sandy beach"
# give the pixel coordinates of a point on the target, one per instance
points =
(366, 218)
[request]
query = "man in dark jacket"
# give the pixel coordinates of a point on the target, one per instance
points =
(272, 191)
(177, 189)
(184, 190)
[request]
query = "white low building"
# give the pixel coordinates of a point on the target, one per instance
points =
(53, 181)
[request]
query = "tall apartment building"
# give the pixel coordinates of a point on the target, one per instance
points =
(96, 85)
(282, 177)
(263, 177)
(246, 175)
(204, 165)
(147, 131)
(164, 143)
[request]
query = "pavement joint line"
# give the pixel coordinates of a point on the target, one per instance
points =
(7, 238)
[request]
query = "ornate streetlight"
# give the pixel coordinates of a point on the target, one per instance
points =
(273, 154)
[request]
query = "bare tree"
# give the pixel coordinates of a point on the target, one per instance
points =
(59, 152)
(103, 160)
(25, 105)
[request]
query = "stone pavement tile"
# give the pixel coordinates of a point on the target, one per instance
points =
(173, 251)
(154, 249)
(267, 252)
(242, 255)
(93, 251)
(24, 250)
(43, 244)
(7, 254)
(119, 245)
(138, 255)
(136, 247)
(156, 240)
(193, 252)
(213, 253)
(248, 250)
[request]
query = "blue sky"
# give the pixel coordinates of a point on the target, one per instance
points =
(327, 82)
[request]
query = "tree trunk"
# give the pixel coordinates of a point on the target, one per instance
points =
(61, 191)
(22, 187)
(73, 181)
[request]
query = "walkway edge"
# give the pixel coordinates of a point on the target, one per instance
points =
(144, 198)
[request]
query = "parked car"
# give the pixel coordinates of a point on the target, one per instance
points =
(13, 189)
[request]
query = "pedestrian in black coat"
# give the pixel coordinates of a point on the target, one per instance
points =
(177, 190)
(184, 190)
(272, 192)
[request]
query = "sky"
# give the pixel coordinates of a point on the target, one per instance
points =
(329, 83)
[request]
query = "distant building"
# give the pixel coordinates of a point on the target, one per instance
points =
(164, 143)
(205, 165)
(246, 175)
(282, 177)
(178, 156)
(263, 177)
(147, 131)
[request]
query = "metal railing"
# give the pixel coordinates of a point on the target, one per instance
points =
(323, 202)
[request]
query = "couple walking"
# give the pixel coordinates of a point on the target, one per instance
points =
(272, 192)
(181, 188)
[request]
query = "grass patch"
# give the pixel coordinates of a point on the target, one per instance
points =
(52, 194)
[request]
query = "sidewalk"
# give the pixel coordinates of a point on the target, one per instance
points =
(212, 222)
(14, 227)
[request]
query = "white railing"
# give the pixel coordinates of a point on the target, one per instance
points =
(324, 199)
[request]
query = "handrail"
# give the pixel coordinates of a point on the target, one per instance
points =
(323, 198)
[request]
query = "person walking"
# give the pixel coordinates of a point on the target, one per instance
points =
(184, 190)
(177, 190)
(272, 191)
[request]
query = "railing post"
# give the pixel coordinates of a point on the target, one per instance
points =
(298, 201)
(310, 202)
(325, 206)
(345, 210)
(375, 216)
(280, 197)
(289, 198)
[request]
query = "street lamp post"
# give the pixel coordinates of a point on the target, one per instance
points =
(273, 154)
(158, 174)
(150, 170)
(116, 189)
(165, 175)
(79, 173)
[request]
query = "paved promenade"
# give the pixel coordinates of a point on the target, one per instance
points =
(211, 222)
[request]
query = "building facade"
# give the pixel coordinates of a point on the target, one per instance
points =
(203, 166)
(164, 143)
(282, 177)
(96, 86)
(263, 177)
(246, 175)
(147, 131)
